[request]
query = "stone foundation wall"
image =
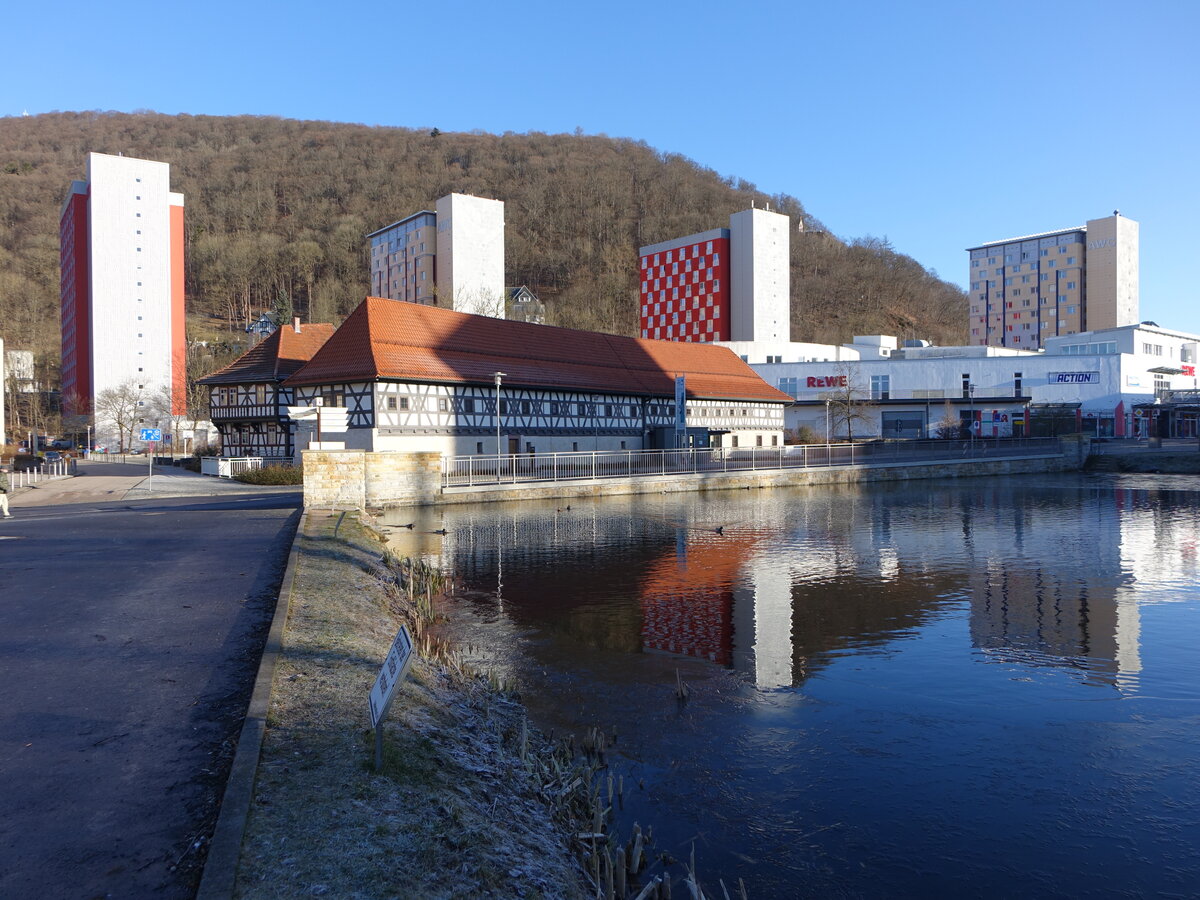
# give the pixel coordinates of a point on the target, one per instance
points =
(354, 479)
(663, 484)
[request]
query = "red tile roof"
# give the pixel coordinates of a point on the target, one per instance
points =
(276, 357)
(394, 340)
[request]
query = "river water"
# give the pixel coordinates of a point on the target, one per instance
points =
(979, 688)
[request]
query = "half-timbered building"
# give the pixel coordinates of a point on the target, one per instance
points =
(248, 400)
(425, 378)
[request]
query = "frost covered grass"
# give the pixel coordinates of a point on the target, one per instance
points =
(458, 810)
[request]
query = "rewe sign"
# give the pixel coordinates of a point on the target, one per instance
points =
(829, 381)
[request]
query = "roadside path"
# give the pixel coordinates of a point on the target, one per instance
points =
(132, 623)
(98, 482)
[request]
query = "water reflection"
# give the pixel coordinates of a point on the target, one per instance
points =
(775, 589)
(887, 678)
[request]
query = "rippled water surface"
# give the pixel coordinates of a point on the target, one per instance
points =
(975, 688)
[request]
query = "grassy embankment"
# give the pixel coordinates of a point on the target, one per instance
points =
(472, 801)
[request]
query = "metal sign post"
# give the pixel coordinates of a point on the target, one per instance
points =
(393, 671)
(151, 436)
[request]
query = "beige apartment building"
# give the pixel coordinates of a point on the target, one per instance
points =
(452, 257)
(1028, 289)
(402, 259)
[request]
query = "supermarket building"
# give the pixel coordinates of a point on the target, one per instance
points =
(1127, 382)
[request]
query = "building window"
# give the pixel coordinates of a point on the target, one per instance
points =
(880, 387)
(391, 402)
(479, 446)
(1016, 384)
(966, 385)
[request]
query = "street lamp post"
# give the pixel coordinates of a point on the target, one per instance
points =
(498, 376)
(318, 402)
(828, 436)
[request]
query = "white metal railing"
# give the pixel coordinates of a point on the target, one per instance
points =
(467, 471)
(228, 466)
(47, 470)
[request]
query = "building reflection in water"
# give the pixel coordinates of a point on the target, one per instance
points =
(1052, 578)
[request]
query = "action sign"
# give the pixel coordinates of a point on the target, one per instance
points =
(150, 434)
(395, 667)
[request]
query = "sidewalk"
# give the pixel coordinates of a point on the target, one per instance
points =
(105, 482)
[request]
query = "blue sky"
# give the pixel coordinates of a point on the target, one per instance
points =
(937, 125)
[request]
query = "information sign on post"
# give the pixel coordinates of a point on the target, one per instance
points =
(680, 409)
(151, 436)
(393, 671)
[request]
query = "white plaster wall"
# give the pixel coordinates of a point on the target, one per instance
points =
(760, 276)
(1121, 378)
(470, 254)
(791, 351)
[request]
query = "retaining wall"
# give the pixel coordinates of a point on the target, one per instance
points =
(352, 479)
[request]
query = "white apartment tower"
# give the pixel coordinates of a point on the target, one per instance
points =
(122, 288)
(760, 269)
(453, 257)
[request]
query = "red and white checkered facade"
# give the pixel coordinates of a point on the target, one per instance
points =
(685, 288)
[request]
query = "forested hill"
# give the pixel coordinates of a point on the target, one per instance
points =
(280, 208)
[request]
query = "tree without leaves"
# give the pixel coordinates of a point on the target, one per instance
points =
(276, 205)
(949, 426)
(120, 408)
(849, 403)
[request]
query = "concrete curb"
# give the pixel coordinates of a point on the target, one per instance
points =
(220, 869)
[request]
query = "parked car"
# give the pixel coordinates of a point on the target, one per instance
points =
(26, 463)
(52, 456)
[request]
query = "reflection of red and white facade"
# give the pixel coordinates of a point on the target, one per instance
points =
(687, 600)
(727, 284)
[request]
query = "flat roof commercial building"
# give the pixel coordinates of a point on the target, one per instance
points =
(1107, 383)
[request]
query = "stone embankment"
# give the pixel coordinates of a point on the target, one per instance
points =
(355, 479)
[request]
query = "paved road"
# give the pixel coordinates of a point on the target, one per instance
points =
(130, 632)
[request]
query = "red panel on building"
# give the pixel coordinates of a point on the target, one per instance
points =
(684, 292)
(178, 317)
(76, 307)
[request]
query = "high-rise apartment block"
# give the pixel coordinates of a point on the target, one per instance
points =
(453, 257)
(122, 285)
(1028, 289)
(727, 284)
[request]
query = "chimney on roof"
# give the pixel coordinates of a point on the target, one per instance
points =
(296, 324)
